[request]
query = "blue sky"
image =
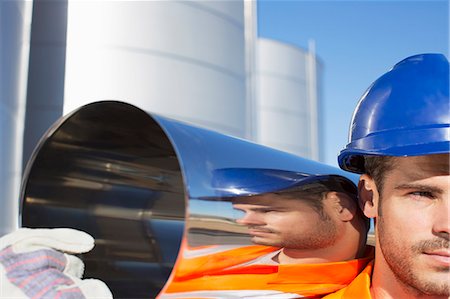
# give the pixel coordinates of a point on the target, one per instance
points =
(356, 41)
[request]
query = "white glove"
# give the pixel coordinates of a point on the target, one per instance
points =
(33, 265)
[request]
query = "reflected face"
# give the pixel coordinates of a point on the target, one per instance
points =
(413, 223)
(284, 222)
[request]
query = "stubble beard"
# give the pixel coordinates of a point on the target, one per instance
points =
(323, 235)
(401, 262)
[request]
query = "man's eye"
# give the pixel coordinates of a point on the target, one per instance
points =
(269, 210)
(422, 194)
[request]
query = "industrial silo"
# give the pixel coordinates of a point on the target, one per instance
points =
(15, 22)
(181, 59)
(287, 98)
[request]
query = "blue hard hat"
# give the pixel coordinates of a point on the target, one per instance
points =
(240, 182)
(405, 112)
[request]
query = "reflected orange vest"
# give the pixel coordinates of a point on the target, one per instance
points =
(227, 270)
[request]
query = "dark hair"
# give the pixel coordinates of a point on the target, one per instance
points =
(376, 167)
(314, 193)
(313, 196)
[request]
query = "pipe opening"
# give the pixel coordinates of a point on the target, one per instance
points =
(110, 170)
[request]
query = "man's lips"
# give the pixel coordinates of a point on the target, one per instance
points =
(442, 256)
(255, 231)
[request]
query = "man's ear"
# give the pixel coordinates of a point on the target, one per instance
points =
(368, 196)
(344, 205)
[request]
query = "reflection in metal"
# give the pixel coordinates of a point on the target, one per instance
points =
(137, 182)
(230, 183)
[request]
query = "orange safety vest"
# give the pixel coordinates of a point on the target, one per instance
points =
(359, 288)
(228, 270)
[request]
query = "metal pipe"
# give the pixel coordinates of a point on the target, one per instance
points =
(141, 184)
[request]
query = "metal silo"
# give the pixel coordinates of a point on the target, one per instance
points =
(287, 98)
(182, 59)
(15, 22)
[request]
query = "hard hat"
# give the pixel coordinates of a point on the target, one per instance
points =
(241, 182)
(405, 112)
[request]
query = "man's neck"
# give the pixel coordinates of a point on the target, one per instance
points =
(302, 256)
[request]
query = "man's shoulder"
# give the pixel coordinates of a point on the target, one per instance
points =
(359, 288)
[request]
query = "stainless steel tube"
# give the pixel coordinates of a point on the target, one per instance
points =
(141, 184)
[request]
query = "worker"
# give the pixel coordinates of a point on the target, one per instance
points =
(400, 142)
(310, 240)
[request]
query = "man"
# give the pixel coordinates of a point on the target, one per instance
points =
(399, 141)
(311, 223)
(313, 238)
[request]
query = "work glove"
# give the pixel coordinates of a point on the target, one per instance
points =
(38, 264)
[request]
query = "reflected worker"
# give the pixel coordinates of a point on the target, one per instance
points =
(310, 240)
(315, 223)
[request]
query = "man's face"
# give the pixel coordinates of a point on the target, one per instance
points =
(282, 222)
(413, 223)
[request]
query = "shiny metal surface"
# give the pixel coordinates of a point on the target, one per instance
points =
(289, 77)
(140, 184)
(14, 56)
(108, 169)
(200, 79)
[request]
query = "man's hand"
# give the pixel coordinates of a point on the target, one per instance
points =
(36, 263)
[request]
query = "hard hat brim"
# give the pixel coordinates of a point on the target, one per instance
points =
(351, 158)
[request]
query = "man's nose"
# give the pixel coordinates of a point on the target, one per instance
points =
(441, 220)
(250, 218)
